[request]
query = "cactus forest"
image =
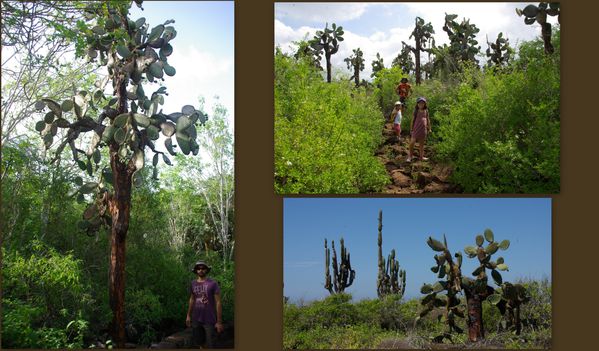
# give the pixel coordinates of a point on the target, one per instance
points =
(493, 98)
(101, 189)
(454, 307)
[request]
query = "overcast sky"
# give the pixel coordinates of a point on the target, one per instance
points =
(381, 27)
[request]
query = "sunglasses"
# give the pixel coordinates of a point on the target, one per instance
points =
(201, 268)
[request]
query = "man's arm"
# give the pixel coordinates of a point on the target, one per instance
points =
(219, 313)
(189, 308)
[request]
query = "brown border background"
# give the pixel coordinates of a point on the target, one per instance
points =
(259, 251)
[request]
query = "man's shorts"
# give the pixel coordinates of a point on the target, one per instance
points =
(397, 128)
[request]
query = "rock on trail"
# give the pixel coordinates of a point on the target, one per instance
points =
(414, 177)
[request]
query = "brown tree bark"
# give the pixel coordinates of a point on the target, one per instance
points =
(120, 207)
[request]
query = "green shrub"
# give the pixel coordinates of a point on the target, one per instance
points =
(45, 299)
(325, 133)
(502, 131)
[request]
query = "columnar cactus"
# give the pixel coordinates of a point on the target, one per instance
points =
(355, 62)
(328, 41)
(451, 273)
(539, 14)
(343, 274)
(391, 279)
(477, 290)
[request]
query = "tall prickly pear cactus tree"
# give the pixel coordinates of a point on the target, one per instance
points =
(355, 62)
(343, 274)
(328, 40)
(478, 290)
(500, 52)
(123, 124)
(450, 273)
(421, 33)
(391, 279)
(463, 45)
(539, 14)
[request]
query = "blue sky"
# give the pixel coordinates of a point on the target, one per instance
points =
(203, 51)
(381, 27)
(407, 223)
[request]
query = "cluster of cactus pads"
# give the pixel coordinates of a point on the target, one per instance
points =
(391, 279)
(507, 297)
(499, 52)
(539, 14)
(343, 274)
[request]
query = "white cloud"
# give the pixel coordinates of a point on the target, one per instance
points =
(320, 12)
(200, 73)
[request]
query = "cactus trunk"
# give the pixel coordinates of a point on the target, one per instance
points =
(343, 274)
(476, 330)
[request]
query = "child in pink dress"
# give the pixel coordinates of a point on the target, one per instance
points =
(419, 127)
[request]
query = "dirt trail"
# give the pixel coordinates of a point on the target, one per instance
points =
(414, 177)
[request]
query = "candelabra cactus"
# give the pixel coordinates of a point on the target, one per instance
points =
(477, 290)
(450, 271)
(391, 279)
(343, 274)
(539, 14)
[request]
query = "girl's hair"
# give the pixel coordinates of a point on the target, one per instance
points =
(416, 109)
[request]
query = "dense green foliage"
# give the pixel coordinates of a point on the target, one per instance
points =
(338, 322)
(325, 134)
(498, 128)
(55, 277)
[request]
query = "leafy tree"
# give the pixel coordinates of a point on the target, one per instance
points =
(355, 62)
(327, 40)
(462, 42)
(124, 126)
(377, 65)
(35, 60)
(421, 33)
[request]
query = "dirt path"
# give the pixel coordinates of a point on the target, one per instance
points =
(414, 177)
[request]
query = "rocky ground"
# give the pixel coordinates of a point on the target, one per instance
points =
(414, 177)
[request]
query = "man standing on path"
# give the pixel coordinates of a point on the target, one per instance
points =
(204, 313)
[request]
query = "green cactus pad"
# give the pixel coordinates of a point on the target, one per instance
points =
(494, 299)
(426, 289)
(496, 277)
(504, 244)
(502, 267)
(492, 248)
(435, 244)
(471, 251)
(479, 240)
(489, 235)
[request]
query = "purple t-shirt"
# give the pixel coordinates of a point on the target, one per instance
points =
(204, 307)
